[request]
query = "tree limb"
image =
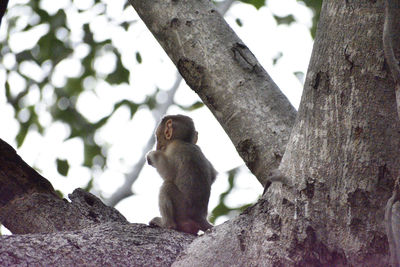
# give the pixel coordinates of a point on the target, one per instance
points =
(106, 244)
(217, 65)
(126, 189)
(29, 204)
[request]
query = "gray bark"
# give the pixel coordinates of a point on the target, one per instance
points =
(105, 244)
(50, 231)
(228, 78)
(342, 158)
(341, 161)
(126, 189)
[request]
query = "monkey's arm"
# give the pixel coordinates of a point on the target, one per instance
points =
(159, 160)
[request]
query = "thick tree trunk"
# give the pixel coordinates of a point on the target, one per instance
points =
(344, 152)
(228, 78)
(341, 161)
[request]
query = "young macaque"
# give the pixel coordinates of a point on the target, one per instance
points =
(187, 175)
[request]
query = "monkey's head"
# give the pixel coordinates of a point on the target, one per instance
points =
(175, 127)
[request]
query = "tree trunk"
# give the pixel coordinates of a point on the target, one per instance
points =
(341, 161)
(344, 152)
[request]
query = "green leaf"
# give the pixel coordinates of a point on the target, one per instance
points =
(133, 107)
(91, 151)
(192, 107)
(23, 130)
(276, 58)
(138, 58)
(52, 48)
(120, 74)
(89, 185)
(299, 75)
(58, 20)
(239, 22)
(74, 86)
(256, 3)
(287, 20)
(62, 167)
(315, 5)
(59, 193)
(24, 55)
(221, 209)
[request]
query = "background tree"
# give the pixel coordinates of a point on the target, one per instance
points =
(340, 163)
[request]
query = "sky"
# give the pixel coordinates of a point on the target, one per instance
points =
(125, 138)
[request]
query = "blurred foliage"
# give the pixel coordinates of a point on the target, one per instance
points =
(315, 6)
(62, 166)
(239, 22)
(192, 107)
(89, 185)
(222, 209)
(256, 3)
(287, 20)
(52, 48)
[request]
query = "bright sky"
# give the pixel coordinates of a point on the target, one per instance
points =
(126, 138)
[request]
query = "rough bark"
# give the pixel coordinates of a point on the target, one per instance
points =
(344, 153)
(81, 232)
(126, 189)
(217, 65)
(106, 244)
(29, 204)
(342, 160)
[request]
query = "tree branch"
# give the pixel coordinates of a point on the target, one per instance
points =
(107, 244)
(29, 204)
(126, 189)
(221, 69)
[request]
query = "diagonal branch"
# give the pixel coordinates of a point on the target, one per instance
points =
(216, 64)
(126, 189)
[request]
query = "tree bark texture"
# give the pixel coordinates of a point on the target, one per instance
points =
(342, 160)
(50, 231)
(343, 156)
(217, 65)
(105, 244)
(29, 204)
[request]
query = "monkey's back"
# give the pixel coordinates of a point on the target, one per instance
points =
(194, 176)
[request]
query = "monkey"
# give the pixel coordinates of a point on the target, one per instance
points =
(187, 175)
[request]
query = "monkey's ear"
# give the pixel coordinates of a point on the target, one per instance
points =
(168, 129)
(195, 137)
